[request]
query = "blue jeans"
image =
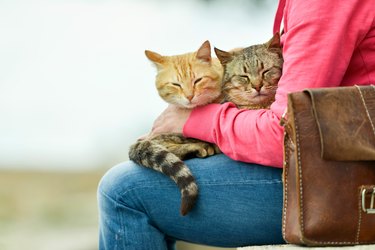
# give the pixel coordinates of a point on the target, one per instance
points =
(239, 204)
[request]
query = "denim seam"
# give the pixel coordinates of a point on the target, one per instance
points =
(255, 182)
(115, 201)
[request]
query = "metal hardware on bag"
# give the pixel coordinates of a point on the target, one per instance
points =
(370, 210)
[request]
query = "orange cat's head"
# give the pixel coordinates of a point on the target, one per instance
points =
(188, 80)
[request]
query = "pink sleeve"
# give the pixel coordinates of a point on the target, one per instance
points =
(319, 40)
(243, 135)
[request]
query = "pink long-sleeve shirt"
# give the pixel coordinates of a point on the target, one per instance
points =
(325, 44)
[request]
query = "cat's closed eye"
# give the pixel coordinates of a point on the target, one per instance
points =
(240, 80)
(176, 84)
(265, 73)
(198, 80)
(244, 77)
(272, 74)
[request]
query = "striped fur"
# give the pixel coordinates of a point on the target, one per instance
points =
(164, 153)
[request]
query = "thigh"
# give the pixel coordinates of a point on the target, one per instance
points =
(239, 204)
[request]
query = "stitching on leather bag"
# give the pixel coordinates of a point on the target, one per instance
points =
(286, 167)
(300, 181)
(365, 106)
(359, 218)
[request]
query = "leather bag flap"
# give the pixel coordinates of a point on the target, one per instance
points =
(345, 117)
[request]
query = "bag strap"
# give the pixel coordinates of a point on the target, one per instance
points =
(279, 17)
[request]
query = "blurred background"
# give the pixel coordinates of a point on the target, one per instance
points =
(76, 90)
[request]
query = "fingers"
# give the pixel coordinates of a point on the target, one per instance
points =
(171, 120)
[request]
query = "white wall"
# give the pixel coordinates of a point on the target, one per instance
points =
(75, 87)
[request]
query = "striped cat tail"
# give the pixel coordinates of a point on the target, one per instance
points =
(155, 156)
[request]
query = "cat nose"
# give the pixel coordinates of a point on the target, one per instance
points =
(257, 87)
(190, 97)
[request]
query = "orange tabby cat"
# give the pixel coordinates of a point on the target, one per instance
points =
(188, 80)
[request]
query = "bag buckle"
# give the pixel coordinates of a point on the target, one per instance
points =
(366, 192)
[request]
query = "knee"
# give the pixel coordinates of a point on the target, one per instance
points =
(120, 182)
(116, 181)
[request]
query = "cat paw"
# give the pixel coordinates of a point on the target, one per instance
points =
(207, 150)
(202, 153)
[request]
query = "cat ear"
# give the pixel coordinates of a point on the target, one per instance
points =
(154, 57)
(274, 42)
(204, 52)
(223, 56)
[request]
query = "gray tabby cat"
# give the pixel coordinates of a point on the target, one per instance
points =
(248, 77)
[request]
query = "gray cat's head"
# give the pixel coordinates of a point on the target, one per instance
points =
(251, 74)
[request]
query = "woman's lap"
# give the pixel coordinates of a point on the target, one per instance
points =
(239, 204)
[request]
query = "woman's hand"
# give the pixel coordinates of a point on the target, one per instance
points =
(171, 120)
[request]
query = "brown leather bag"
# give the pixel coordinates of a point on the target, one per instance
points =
(329, 167)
